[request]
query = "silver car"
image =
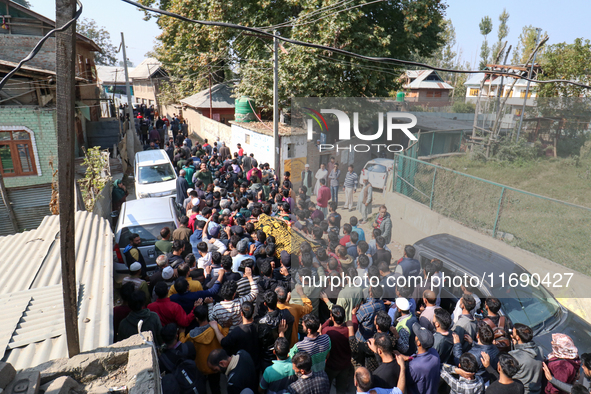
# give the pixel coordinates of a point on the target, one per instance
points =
(145, 217)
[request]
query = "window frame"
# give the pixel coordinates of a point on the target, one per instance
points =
(474, 92)
(14, 153)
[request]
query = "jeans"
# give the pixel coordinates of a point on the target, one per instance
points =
(334, 194)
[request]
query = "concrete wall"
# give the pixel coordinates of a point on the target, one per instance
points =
(41, 124)
(412, 221)
(259, 144)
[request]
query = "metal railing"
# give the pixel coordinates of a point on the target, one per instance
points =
(557, 230)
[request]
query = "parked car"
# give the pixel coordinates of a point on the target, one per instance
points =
(377, 171)
(533, 306)
(154, 174)
(145, 217)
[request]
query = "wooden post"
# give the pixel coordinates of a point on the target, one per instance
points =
(8, 205)
(66, 93)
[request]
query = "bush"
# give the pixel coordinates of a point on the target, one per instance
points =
(566, 147)
(462, 107)
(519, 151)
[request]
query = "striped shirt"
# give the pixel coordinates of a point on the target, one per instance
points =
(318, 348)
(351, 180)
(226, 310)
(243, 285)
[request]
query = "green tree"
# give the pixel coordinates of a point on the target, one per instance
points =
(89, 28)
(24, 3)
(502, 33)
(397, 28)
(485, 27)
(566, 61)
(525, 46)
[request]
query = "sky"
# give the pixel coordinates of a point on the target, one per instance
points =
(563, 21)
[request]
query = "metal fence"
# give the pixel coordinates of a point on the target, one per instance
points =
(556, 230)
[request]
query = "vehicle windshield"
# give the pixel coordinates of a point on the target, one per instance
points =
(529, 305)
(155, 174)
(376, 168)
(148, 233)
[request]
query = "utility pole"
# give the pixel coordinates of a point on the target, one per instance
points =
(8, 205)
(276, 104)
(210, 98)
(65, 45)
(531, 70)
(127, 88)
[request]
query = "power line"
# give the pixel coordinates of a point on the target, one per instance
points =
(309, 15)
(344, 52)
(37, 48)
(336, 12)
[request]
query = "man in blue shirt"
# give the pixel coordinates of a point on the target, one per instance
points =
(364, 383)
(423, 367)
(353, 221)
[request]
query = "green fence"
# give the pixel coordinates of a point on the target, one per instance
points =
(556, 230)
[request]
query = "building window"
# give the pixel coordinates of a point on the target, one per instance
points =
(474, 92)
(518, 111)
(16, 154)
(432, 93)
(522, 95)
(247, 139)
(290, 151)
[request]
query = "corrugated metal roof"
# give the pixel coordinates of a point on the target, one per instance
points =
(32, 261)
(110, 74)
(221, 97)
(419, 82)
(147, 68)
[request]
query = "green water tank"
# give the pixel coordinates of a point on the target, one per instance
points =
(244, 109)
(400, 96)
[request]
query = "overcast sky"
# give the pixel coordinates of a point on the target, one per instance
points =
(563, 21)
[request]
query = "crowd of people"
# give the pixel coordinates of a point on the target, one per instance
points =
(235, 294)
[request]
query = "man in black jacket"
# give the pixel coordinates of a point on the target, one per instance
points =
(243, 337)
(133, 254)
(239, 369)
(269, 327)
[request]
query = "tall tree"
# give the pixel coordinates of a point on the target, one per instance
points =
(24, 3)
(566, 61)
(396, 28)
(89, 28)
(486, 27)
(502, 33)
(525, 45)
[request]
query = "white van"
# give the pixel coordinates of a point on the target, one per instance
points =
(154, 174)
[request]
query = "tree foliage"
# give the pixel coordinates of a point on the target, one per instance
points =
(502, 33)
(526, 44)
(89, 28)
(485, 27)
(566, 61)
(24, 3)
(392, 28)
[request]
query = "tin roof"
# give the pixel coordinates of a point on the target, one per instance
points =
(419, 81)
(221, 97)
(30, 289)
(146, 69)
(109, 75)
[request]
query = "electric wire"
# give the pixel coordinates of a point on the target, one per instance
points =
(39, 44)
(345, 52)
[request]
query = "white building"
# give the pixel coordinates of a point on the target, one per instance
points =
(491, 88)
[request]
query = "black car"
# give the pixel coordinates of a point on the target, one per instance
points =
(533, 306)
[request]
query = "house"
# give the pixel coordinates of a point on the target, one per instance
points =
(257, 138)
(492, 85)
(111, 79)
(146, 79)
(28, 135)
(425, 86)
(221, 105)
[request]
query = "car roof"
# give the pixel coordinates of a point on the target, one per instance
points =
(469, 256)
(153, 156)
(146, 211)
(384, 162)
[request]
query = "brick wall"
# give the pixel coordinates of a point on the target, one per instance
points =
(42, 124)
(14, 48)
